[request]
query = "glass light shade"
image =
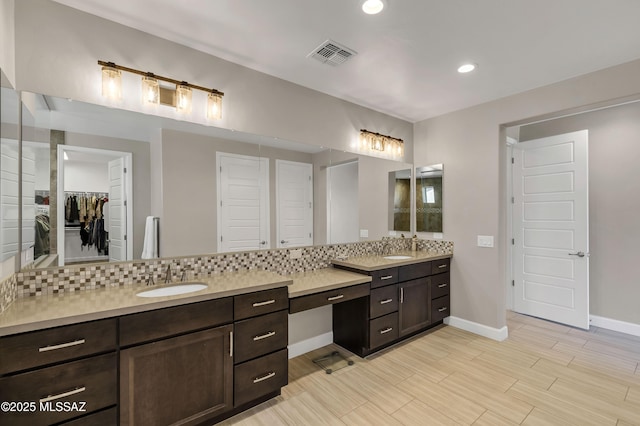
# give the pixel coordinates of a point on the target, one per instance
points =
(111, 83)
(371, 7)
(214, 106)
(183, 99)
(150, 90)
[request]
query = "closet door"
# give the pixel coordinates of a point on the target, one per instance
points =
(117, 226)
(243, 202)
(294, 201)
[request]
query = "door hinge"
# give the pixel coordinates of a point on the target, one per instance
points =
(309, 178)
(125, 170)
(309, 234)
(513, 200)
(220, 203)
(220, 238)
(125, 203)
(513, 283)
(309, 204)
(513, 241)
(125, 237)
(513, 161)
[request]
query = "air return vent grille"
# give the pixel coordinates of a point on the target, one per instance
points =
(332, 53)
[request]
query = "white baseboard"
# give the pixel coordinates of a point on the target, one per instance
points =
(498, 334)
(615, 325)
(311, 344)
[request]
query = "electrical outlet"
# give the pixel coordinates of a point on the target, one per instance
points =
(437, 235)
(485, 240)
(295, 254)
(364, 233)
(392, 233)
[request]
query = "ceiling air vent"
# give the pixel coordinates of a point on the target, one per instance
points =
(332, 53)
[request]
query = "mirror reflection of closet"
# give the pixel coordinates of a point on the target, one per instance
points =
(429, 198)
(94, 207)
(400, 200)
(8, 171)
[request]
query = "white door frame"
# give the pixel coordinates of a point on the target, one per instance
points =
(128, 159)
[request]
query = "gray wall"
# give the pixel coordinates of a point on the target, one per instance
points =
(614, 203)
(7, 40)
(57, 49)
(471, 145)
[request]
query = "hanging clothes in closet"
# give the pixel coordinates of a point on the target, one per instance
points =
(86, 211)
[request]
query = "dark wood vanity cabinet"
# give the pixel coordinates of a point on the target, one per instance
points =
(403, 301)
(59, 374)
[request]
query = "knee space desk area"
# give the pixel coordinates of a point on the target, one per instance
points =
(377, 301)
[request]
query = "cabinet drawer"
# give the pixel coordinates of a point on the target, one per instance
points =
(440, 308)
(440, 266)
(328, 297)
(260, 302)
(38, 348)
(440, 285)
(383, 330)
(260, 335)
(153, 325)
(383, 301)
(384, 277)
(107, 417)
(92, 380)
(260, 377)
(417, 270)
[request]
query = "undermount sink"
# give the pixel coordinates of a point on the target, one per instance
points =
(398, 257)
(172, 290)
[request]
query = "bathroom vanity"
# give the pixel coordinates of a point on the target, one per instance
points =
(407, 296)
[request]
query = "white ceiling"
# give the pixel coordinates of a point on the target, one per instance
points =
(407, 55)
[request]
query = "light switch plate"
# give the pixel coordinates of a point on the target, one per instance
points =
(485, 240)
(296, 254)
(392, 233)
(437, 235)
(364, 233)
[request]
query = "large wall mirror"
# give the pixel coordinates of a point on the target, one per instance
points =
(429, 198)
(214, 190)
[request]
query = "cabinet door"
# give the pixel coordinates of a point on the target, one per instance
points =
(413, 311)
(183, 380)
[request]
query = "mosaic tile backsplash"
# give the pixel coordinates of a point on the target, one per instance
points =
(92, 276)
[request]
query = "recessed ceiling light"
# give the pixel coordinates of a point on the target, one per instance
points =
(465, 68)
(371, 7)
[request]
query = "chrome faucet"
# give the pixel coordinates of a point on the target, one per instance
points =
(185, 273)
(167, 278)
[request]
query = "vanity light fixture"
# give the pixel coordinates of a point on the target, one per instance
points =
(177, 93)
(111, 81)
(381, 145)
(372, 7)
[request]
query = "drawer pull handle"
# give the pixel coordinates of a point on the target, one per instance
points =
(265, 336)
(384, 302)
(61, 345)
(443, 285)
(442, 309)
(442, 266)
(386, 330)
(386, 277)
(63, 394)
(331, 299)
(266, 302)
(231, 344)
(265, 377)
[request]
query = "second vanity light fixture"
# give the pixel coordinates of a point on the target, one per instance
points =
(381, 145)
(177, 95)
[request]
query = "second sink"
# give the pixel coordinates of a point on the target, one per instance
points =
(172, 290)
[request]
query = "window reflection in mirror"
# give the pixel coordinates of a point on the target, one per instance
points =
(429, 198)
(400, 200)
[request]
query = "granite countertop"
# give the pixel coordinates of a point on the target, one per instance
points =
(36, 313)
(376, 262)
(305, 283)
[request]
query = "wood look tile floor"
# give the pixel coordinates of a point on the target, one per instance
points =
(543, 374)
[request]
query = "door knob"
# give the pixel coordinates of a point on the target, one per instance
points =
(263, 242)
(283, 242)
(579, 254)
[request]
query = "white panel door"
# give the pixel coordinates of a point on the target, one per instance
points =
(294, 204)
(9, 199)
(343, 212)
(551, 228)
(117, 225)
(243, 202)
